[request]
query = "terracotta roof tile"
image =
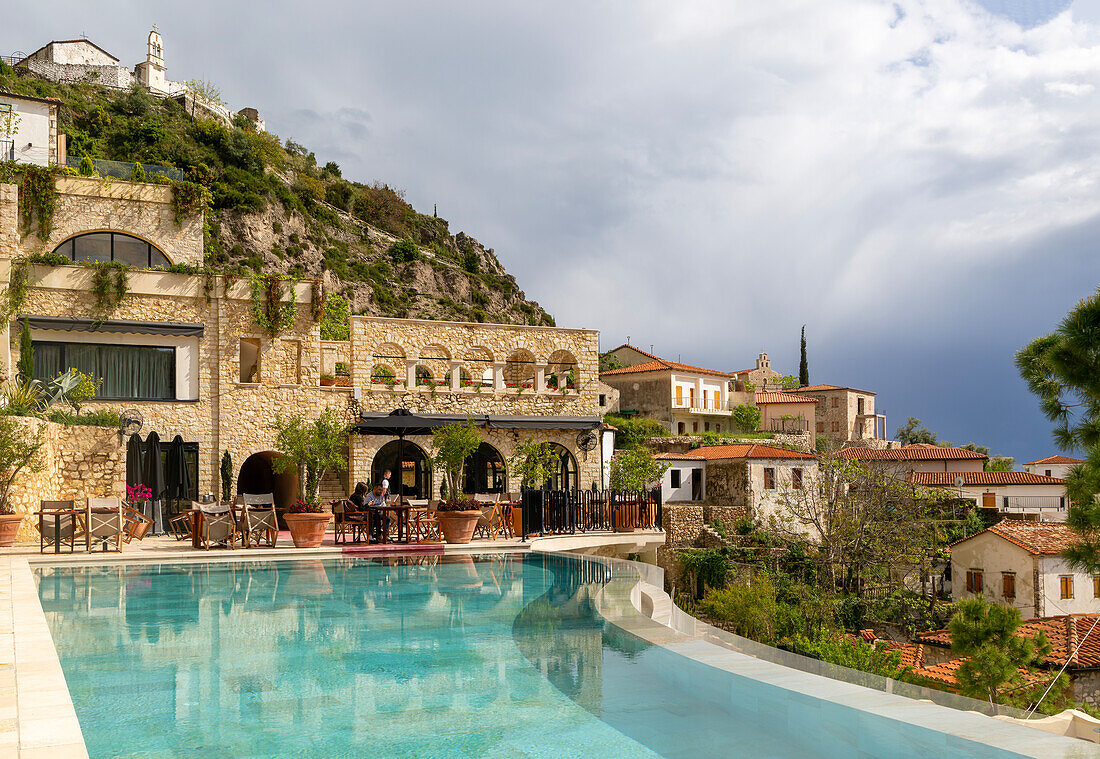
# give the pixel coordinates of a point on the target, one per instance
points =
(946, 673)
(1065, 633)
(1037, 538)
(981, 478)
(1056, 459)
(780, 397)
(909, 453)
(737, 451)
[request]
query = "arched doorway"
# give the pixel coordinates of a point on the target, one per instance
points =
(413, 478)
(258, 476)
(484, 471)
(565, 478)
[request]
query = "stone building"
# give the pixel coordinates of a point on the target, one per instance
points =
(846, 415)
(187, 353)
(761, 377)
(28, 130)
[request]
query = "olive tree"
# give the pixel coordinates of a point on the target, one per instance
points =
(19, 449)
(311, 448)
(452, 444)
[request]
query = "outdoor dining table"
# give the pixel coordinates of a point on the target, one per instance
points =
(402, 512)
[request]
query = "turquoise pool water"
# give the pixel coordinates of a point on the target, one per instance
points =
(502, 656)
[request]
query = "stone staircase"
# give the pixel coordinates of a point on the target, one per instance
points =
(332, 487)
(709, 538)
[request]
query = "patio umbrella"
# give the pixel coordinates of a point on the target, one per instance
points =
(399, 422)
(134, 465)
(177, 475)
(154, 480)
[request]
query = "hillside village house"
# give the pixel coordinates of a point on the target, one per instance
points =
(919, 457)
(752, 477)
(187, 353)
(784, 412)
(1031, 496)
(28, 130)
(1052, 466)
(846, 415)
(1020, 564)
(687, 400)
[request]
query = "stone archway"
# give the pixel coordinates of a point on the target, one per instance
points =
(258, 476)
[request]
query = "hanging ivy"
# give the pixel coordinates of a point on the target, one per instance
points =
(16, 295)
(110, 283)
(38, 197)
(269, 309)
(188, 198)
(317, 301)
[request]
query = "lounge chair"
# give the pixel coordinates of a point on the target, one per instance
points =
(259, 523)
(137, 525)
(104, 522)
(56, 529)
(218, 525)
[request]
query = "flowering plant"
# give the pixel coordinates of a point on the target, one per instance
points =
(304, 507)
(462, 504)
(138, 493)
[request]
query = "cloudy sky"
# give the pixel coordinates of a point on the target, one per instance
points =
(917, 182)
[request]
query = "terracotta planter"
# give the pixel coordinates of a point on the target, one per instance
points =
(328, 381)
(9, 527)
(307, 530)
(458, 526)
(341, 381)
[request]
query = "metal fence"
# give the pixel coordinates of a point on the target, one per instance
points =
(567, 512)
(122, 170)
(790, 426)
(7, 150)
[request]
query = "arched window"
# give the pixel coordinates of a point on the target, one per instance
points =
(111, 246)
(478, 367)
(565, 478)
(389, 365)
(409, 467)
(561, 371)
(423, 376)
(484, 471)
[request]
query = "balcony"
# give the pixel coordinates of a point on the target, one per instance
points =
(789, 426)
(1040, 503)
(710, 406)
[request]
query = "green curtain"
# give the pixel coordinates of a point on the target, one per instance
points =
(129, 372)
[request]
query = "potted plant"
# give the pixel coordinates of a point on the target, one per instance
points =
(458, 519)
(327, 380)
(343, 375)
(19, 447)
(452, 444)
(306, 522)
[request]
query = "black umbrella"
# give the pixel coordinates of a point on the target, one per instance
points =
(154, 479)
(177, 475)
(399, 422)
(134, 466)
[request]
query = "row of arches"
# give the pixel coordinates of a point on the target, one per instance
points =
(435, 366)
(485, 470)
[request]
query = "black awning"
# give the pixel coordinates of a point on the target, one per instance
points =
(65, 324)
(403, 422)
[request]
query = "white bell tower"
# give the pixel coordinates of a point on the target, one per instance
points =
(152, 72)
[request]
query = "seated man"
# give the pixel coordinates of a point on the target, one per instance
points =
(380, 520)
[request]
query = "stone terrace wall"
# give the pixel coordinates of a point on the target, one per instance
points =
(94, 205)
(77, 463)
(114, 76)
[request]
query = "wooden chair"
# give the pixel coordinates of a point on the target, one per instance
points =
(259, 523)
(137, 524)
(104, 522)
(181, 525)
(57, 529)
(218, 525)
(489, 523)
(425, 523)
(348, 521)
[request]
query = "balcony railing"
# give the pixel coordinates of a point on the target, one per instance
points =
(7, 150)
(789, 426)
(1033, 503)
(700, 405)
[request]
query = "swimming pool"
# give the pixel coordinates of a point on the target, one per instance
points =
(443, 656)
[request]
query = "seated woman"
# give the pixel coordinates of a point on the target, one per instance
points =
(358, 497)
(380, 520)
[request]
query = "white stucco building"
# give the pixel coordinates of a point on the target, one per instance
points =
(1035, 496)
(1020, 564)
(785, 412)
(28, 130)
(1052, 466)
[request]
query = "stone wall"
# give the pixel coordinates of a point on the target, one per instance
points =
(683, 526)
(727, 483)
(94, 205)
(683, 443)
(115, 76)
(729, 514)
(1086, 687)
(649, 393)
(76, 463)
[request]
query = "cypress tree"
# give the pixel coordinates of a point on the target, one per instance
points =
(227, 476)
(26, 354)
(803, 364)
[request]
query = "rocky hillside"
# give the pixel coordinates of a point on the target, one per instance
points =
(273, 208)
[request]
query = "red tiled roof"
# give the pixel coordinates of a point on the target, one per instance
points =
(918, 452)
(660, 365)
(947, 674)
(1037, 538)
(736, 451)
(822, 388)
(1065, 634)
(780, 397)
(912, 655)
(981, 478)
(1056, 459)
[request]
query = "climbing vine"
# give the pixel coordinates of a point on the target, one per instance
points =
(110, 283)
(268, 308)
(38, 197)
(317, 301)
(188, 198)
(16, 295)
